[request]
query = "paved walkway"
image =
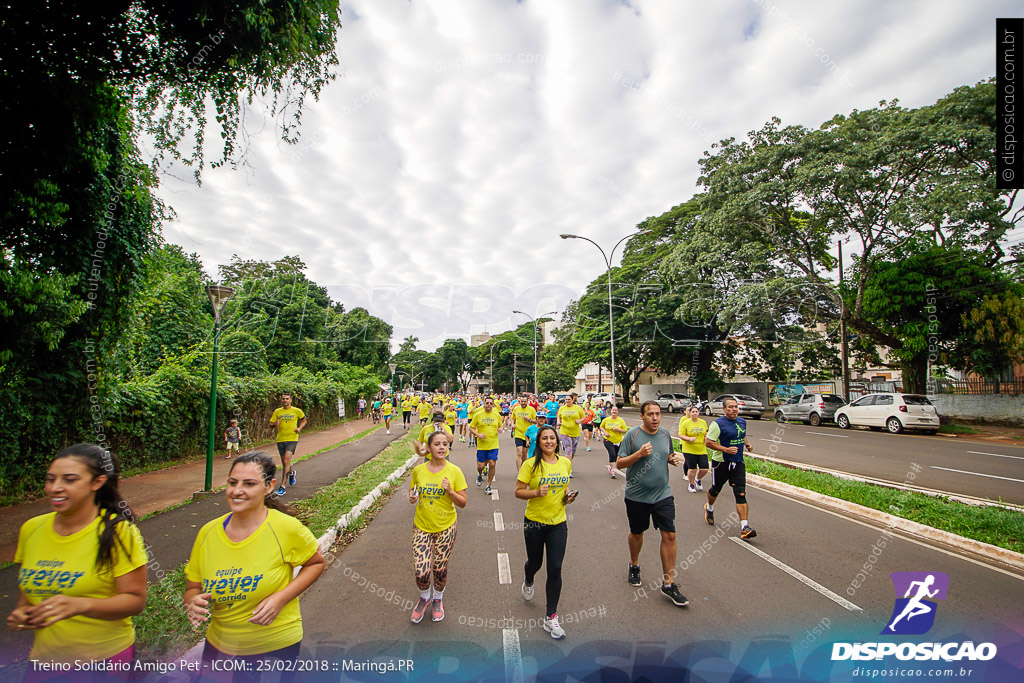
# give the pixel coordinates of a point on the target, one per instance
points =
(159, 489)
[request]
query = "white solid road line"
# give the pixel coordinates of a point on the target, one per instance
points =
(838, 599)
(838, 436)
(977, 474)
(494, 494)
(499, 522)
(785, 442)
(504, 571)
(998, 455)
(513, 655)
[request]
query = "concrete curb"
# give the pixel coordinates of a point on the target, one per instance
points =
(331, 535)
(992, 553)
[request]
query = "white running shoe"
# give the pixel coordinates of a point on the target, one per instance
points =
(387, 431)
(527, 591)
(552, 627)
(691, 488)
(700, 486)
(487, 490)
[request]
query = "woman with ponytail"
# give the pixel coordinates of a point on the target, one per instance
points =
(83, 566)
(239, 575)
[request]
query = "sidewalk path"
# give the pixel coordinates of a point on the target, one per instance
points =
(157, 490)
(170, 535)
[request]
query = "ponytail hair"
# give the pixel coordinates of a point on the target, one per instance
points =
(268, 469)
(113, 508)
(537, 453)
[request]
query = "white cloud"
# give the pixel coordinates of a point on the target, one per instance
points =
(461, 138)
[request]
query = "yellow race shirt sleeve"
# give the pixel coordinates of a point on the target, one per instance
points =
(52, 564)
(547, 509)
(435, 510)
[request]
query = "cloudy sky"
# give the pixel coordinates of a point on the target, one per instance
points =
(461, 138)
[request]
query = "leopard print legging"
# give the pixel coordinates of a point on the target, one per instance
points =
(432, 551)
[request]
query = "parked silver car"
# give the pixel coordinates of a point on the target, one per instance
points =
(673, 402)
(749, 406)
(810, 408)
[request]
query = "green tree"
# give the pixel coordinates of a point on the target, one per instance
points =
(994, 334)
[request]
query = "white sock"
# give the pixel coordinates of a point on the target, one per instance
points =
(438, 594)
(425, 595)
(743, 524)
(710, 507)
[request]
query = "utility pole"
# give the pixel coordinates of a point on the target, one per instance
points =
(845, 348)
(515, 368)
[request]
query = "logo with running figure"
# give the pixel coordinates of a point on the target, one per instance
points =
(916, 593)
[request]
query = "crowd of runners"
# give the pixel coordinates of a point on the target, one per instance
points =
(83, 565)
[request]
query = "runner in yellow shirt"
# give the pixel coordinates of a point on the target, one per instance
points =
(543, 481)
(385, 411)
(614, 428)
(523, 415)
(486, 424)
(436, 425)
(692, 430)
(406, 411)
(289, 422)
(83, 566)
(568, 420)
(239, 575)
(425, 410)
(436, 488)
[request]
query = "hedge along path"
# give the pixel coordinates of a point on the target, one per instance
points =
(328, 537)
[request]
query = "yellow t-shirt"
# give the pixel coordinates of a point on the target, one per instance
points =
(435, 511)
(406, 406)
(386, 409)
(425, 410)
(52, 564)
(570, 417)
(287, 420)
(488, 424)
(547, 509)
(524, 416)
(415, 400)
(241, 575)
(449, 416)
(614, 437)
(688, 427)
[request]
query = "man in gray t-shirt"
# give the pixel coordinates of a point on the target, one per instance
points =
(648, 450)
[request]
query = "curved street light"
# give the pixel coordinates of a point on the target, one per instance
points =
(611, 322)
(534, 346)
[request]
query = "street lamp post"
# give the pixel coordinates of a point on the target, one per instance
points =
(611, 324)
(392, 367)
(535, 344)
(218, 297)
(490, 378)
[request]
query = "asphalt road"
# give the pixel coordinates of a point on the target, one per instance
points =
(983, 470)
(804, 577)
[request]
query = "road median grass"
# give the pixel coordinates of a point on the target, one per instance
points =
(994, 525)
(163, 629)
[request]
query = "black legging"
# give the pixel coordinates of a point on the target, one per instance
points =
(553, 537)
(613, 451)
(406, 414)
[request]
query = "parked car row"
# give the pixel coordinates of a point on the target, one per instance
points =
(891, 411)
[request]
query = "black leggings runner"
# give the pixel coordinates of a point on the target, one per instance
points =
(613, 451)
(553, 538)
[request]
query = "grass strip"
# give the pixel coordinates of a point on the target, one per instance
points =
(163, 629)
(994, 525)
(321, 510)
(956, 429)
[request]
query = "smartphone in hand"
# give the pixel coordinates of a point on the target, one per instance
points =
(570, 496)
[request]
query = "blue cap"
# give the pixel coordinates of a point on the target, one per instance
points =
(542, 414)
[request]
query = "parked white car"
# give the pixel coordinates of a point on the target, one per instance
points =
(607, 398)
(893, 412)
